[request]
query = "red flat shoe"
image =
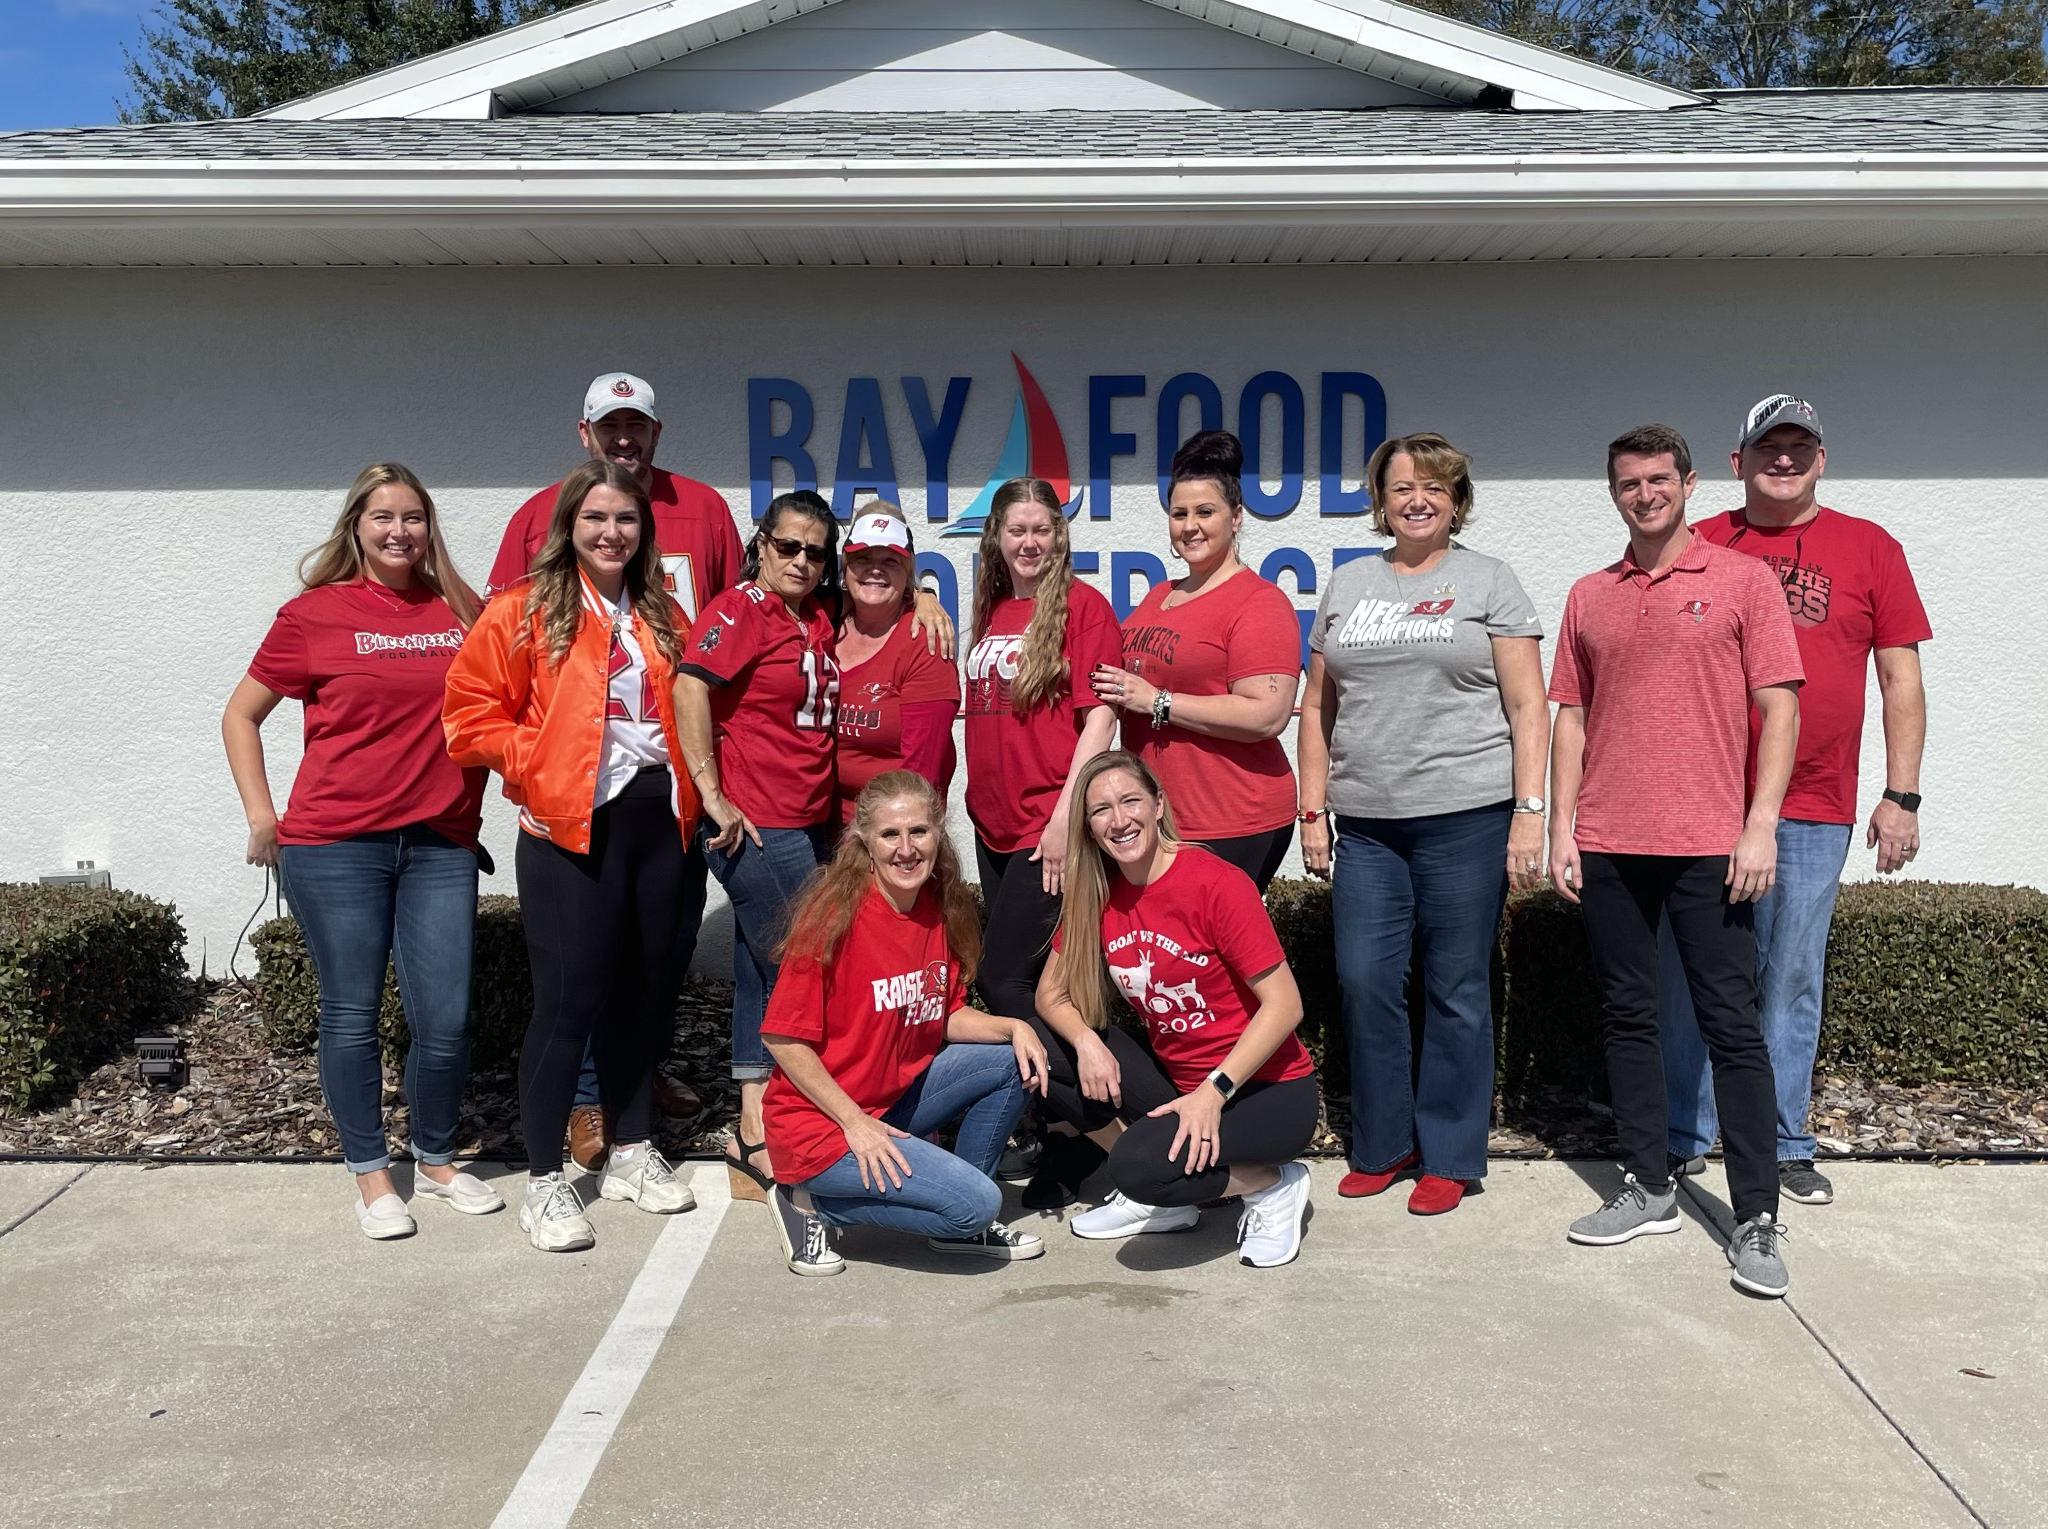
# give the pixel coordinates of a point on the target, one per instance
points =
(1433, 1196)
(1359, 1186)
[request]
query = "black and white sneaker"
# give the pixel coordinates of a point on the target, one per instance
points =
(995, 1241)
(1799, 1180)
(806, 1240)
(1020, 1159)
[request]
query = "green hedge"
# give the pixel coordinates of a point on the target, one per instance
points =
(1926, 982)
(83, 970)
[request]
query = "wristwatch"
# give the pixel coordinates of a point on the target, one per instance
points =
(1910, 800)
(1220, 1081)
(1529, 804)
(1311, 814)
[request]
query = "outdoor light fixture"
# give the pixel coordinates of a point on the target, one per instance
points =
(161, 1060)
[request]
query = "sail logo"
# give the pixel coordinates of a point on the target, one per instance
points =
(1033, 448)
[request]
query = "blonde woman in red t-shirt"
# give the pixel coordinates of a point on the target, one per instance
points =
(377, 849)
(1210, 666)
(875, 1048)
(1225, 1099)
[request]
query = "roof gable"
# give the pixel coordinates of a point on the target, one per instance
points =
(1403, 53)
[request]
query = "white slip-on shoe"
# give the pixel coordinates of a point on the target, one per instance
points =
(466, 1192)
(552, 1216)
(384, 1218)
(1121, 1217)
(641, 1174)
(1269, 1231)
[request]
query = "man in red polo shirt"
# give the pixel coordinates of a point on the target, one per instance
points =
(700, 555)
(1852, 599)
(1660, 658)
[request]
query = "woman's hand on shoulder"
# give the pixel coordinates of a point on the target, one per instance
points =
(1121, 690)
(928, 619)
(873, 1145)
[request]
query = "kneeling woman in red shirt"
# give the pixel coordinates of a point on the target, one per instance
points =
(1226, 1098)
(875, 1047)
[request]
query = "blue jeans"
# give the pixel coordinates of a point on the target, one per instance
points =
(945, 1194)
(1444, 876)
(406, 897)
(761, 881)
(1791, 960)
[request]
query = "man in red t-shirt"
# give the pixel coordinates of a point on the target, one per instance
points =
(1851, 596)
(700, 555)
(1660, 658)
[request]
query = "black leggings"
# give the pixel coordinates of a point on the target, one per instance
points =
(606, 942)
(1264, 1124)
(1257, 855)
(1019, 918)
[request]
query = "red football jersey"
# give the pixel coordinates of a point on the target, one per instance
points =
(774, 698)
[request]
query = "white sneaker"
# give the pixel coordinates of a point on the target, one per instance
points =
(384, 1218)
(1269, 1231)
(552, 1217)
(1120, 1217)
(641, 1174)
(466, 1192)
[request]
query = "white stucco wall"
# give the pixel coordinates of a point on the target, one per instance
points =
(173, 441)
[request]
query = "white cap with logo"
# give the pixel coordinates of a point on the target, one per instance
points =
(618, 390)
(877, 532)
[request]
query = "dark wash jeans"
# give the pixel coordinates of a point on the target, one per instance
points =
(405, 897)
(1624, 897)
(1443, 875)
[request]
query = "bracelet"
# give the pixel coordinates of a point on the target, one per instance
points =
(1162, 707)
(700, 764)
(1311, 814)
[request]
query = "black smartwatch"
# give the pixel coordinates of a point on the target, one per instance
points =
(1910, 800)
(1220, 1081)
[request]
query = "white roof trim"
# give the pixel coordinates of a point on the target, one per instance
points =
(604, 40)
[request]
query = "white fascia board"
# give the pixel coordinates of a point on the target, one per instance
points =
(1558, 81)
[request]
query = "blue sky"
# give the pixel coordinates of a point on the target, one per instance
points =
(60, 60)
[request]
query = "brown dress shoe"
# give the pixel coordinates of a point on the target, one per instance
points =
(587, 1145)
(675, 1098)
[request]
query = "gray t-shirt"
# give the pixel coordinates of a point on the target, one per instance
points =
(1420, 727)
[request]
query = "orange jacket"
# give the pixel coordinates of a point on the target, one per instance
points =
(541, 726)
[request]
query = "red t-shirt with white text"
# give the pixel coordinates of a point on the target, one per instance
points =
(872, 695)
(1182, 949)
(1220, 788)
(876, 1016)
(370, 665)
(1849, 591)
(774, 693)
(1017, 765)
(693, 531)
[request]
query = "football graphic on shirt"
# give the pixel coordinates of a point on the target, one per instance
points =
(1172, 1000)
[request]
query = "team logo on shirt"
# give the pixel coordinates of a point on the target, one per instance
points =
(1697, 609)
(1176, 1007)
(862, 711)
(1432, 607)
(990, 669)
(1397, 623)
(414, 643)
(710, 639)
(915, 998)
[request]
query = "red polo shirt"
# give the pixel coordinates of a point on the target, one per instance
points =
(1664, 666)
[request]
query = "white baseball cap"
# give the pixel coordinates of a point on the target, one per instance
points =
(618, 390)
(877, 531)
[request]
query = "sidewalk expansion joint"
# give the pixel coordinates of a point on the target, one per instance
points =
(46, 1201)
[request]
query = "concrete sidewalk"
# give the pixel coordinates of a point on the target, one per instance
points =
(217, 1346)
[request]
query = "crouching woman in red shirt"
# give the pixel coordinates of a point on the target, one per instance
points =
(875, 1047)
(1226, 1099)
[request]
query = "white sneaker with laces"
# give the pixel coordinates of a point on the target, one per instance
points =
(384, 1218)
(641, 1174)
(552, 1216)
(1121, 1217)
(466, 1192)
(1269, 1231)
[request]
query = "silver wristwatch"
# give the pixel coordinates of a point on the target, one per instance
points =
(1529, 804)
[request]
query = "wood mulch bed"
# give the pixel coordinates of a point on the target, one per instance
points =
(243, 1100)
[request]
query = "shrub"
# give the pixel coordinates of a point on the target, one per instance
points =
(82, 971)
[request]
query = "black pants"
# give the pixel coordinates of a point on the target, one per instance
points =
(1623, 897)
(1264, 1124)
(1257, 855)
(607, 943)
(1020, 916)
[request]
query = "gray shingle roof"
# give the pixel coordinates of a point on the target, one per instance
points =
(1985, 121)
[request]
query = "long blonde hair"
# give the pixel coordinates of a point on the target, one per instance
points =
(555, 587)
(1041, 668)
(339, 559)
(825, 907)
(1082, 967)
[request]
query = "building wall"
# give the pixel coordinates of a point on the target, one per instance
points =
(174, 441)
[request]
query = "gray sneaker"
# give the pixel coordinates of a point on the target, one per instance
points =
(1800, 1180)
(1630, 1212)
(1758, 1259)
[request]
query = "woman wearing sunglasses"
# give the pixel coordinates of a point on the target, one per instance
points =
(756, 697)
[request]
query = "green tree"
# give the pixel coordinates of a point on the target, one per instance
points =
(203, 59)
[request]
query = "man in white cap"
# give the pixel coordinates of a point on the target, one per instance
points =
(1851, 596)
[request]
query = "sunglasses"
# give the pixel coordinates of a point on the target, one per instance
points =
(787, 547)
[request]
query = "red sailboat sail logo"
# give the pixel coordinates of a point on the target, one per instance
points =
(1034, 448)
